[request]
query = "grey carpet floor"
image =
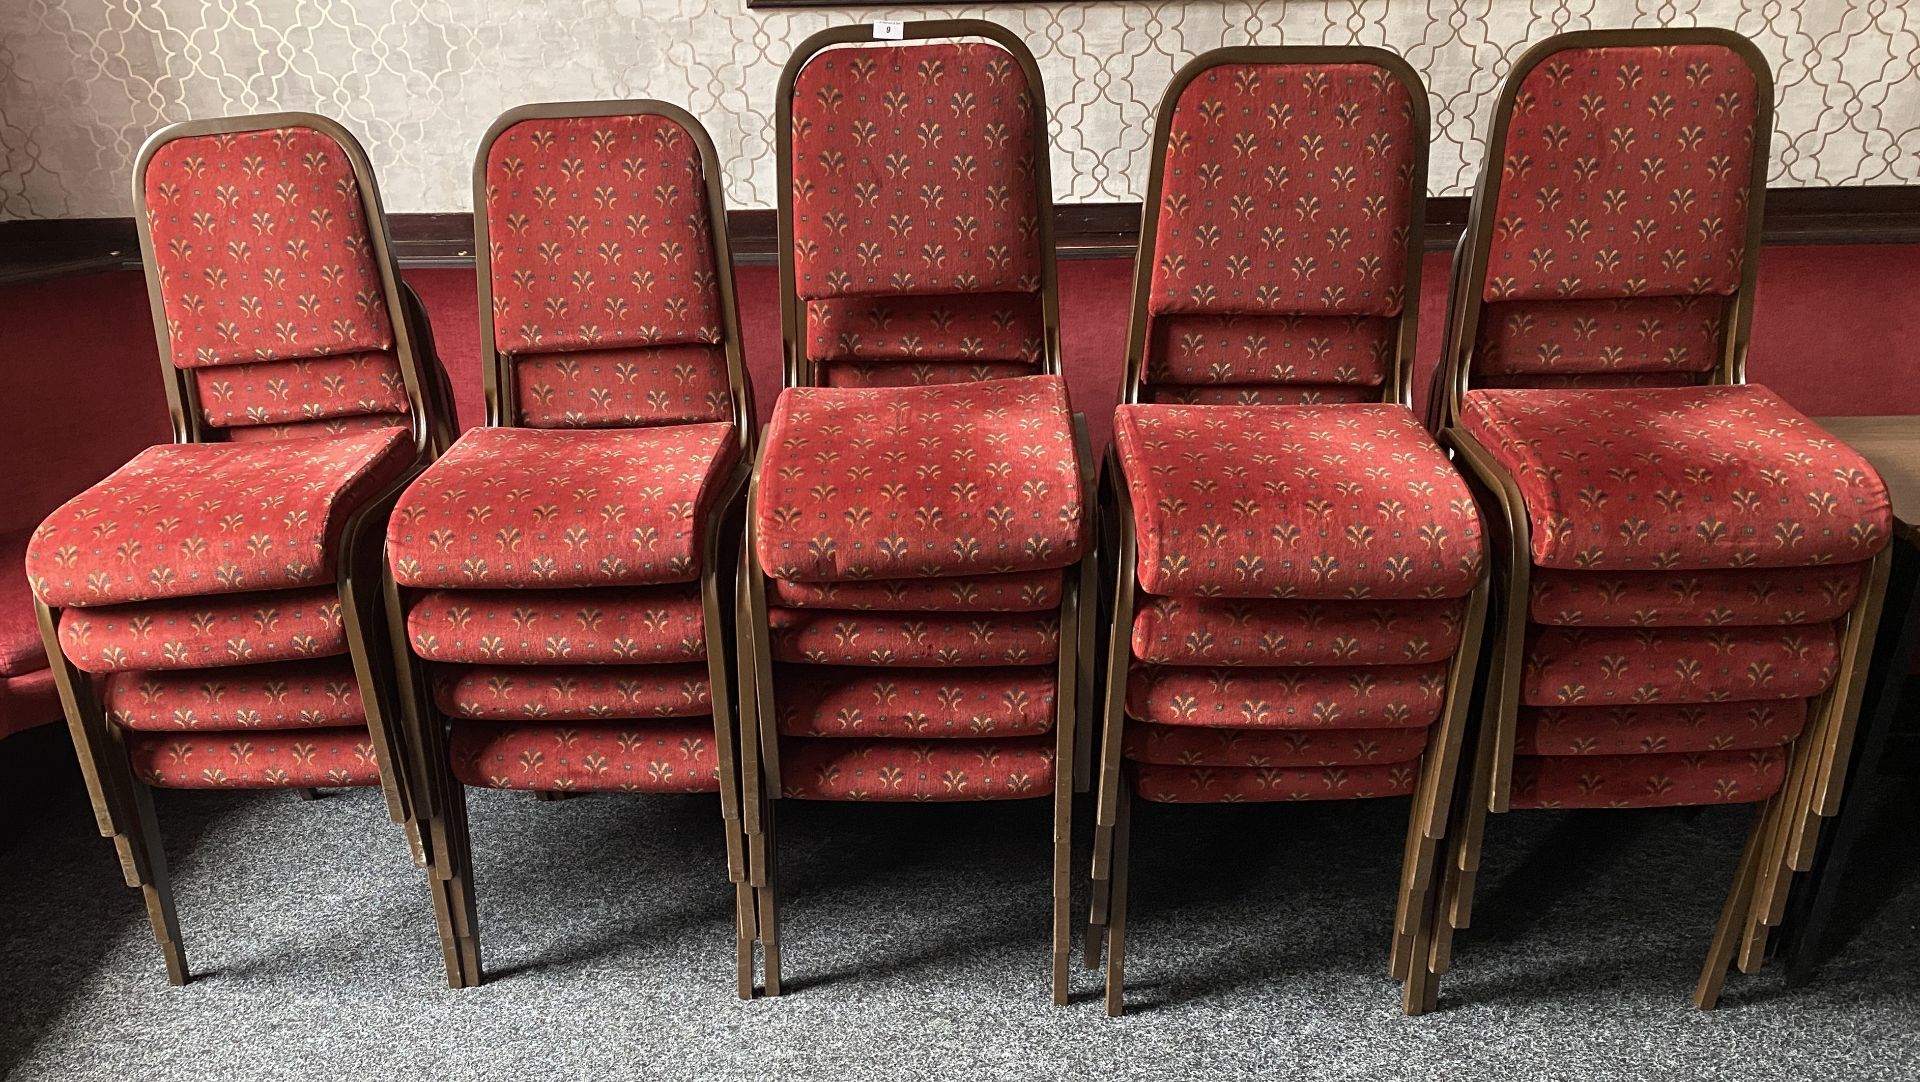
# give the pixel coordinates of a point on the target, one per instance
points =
(916, 942)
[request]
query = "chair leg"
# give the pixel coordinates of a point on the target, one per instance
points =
(156, 886)
(1097, 910)
(1727, 931)
(768, 901)
(745, 933)
(1117, 908)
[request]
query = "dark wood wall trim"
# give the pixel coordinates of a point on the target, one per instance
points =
(30, 250)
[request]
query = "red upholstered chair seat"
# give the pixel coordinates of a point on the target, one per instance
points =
(331, 426)
(958, 479)
(1647, 781)
(309, 389)
(626, 625)
(1278, 394)
(918, 374)
(1310, 697)
(976, 328)
(916, 770)
(248, 760)
(1680, 479)
(824, 637)
(1234, 785)
(1231, 631)
(1633, 666)
(1217, 350)
(321, 693)
(519, 507)
(208, 631)
(181, 520)
(1773, 596)
(1302, 502)
(572, 692)
(623, 387)
(1658, 728)
(1020, 591)
(961, 703)
(1186, 745)
(1617, 335)
(627, 756)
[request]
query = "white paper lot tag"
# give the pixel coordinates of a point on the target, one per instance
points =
(888, 31)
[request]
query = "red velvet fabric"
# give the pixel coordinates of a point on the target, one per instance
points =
(305, 758)
(610, 757)
(915, 703)
(214, 631)
(1236, 785)
(572, 692)
(1680, 479)
(1624, 174)
(959, 479)
(261, 249)
(28, 700)
(1244, 394)
(1621, 667)
(278, 695)
(913, 172)
(1658, 729)
(1575, 339)
(1310, 502)
(1185, 745)
(190, 519)
(977, 328)
(310, 389)
(1294, 350)
(915, 374)
(520, 507)
(21, 649)
(1314, 697)
(1215, 631)
(613, 626)
(1647, 781)
(599, 236)
(1790, 595)
(916, 770)
(1023, 591)
(623, 388)
(331, 426)
(826, 637)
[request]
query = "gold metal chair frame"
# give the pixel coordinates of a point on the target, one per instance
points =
(439, 794)
(122, 803)
(1432, 798)
(760, 767)
(1785, 830)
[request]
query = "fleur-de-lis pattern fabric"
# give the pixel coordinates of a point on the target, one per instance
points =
(517, 507)
(643, 757)
(1574, 340)
(1186, 745)
(615, 626)
(1625, 173)
(1647, 781)
(1635, 666)
(1309, 697)
(958, 479)
(822, 637)
(218, 631)
(282, 695)
(1768, 596)
(1217, 631)
(976, 328)
(1308, 502)
(331, 426)
(572, 692)
(1681, 479)
(917, 374)
(1256, 394)
(311, 389)
(1658, 729)
(623, 388)
(913, 172)
(1287, 189)
(1021, 591)
(286, 759)
(916, 770)
(825, 701)
(1236, 785)
(1250, 350)
(183, 519)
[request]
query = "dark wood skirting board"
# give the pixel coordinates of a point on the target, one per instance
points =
(33, 250)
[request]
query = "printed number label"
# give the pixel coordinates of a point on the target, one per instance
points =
(888, 31)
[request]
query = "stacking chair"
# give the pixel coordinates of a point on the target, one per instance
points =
(210, 607)
(556, 584)
(1298, 570)
(917, 525)
(1690, 570)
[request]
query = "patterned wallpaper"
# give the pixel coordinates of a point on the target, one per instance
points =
(83, 81)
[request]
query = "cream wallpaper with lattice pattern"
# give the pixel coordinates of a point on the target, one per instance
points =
(83, 81)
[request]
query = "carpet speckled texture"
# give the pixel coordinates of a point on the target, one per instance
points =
(916, 949)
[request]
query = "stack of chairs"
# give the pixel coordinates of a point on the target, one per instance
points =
(1690, 570)
(1298, 576)
(211, 607)
(918, 520)
(561, 583)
